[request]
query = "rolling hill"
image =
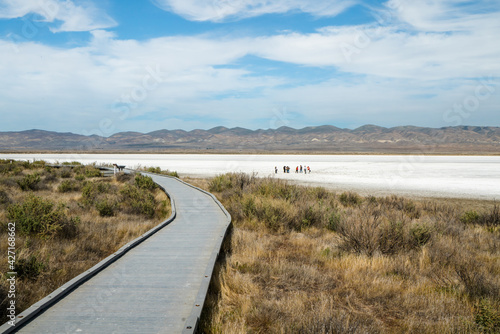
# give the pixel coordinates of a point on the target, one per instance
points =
(320, 139)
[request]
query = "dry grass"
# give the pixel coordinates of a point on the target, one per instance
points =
(305, 260)
(53, 259)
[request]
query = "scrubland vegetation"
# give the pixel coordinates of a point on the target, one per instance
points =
(307, 260)
(158, 170)
(67, 220)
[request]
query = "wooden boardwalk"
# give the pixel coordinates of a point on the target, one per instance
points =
(159, 286)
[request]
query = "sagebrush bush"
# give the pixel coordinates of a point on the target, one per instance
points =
(29, 182)
(92, 172)
(470, 217)
(421, 234)
(350, 199)
(37, 216)
(106, 208)
(91, 191)
(138, 201)
(220, 183)
(158, 170)
(145, 182)
(68, 186)
(334, 220)
(490, 219)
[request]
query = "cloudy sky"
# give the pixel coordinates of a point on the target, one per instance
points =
(106, 66)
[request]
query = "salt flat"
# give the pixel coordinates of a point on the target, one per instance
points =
(436, 176)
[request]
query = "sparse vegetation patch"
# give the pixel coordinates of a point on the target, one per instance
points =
(307, 260)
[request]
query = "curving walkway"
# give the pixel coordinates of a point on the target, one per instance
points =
(158, 286)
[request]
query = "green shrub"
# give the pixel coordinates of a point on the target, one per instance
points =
(171, 173)
(490, 219)
(421, 234)
(36, 216)
(145, 182)
(487, 317)
(89, 193)
(105, 208)
(92, 190)
(92, 172)
(29, 268)
(68, 186)
(29, 182)
(308, 216)
(470, 217)
(157, 170)
(320, 193)
(249, 207)
(333, 221)
(79, 177)
(350, 199)
(273, 216)
(220, 183)
(279, 189)
(138, 201)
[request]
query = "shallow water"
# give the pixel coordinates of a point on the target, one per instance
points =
(439, 176)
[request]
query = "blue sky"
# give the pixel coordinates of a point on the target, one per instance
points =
(101, 67)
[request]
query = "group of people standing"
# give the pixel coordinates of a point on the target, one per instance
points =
(298, 169)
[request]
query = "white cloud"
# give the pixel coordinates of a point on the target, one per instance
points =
(393, 76)
(447, 15)
(82, 17)
(219, 10)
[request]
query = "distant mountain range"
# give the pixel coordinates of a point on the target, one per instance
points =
(318, 139)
